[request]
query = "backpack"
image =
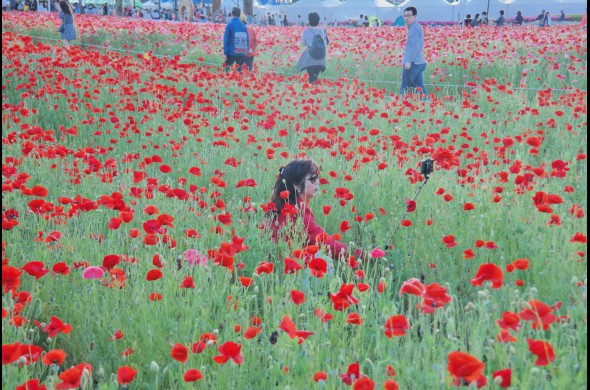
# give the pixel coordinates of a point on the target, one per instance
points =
(317, 50)
(241, 42)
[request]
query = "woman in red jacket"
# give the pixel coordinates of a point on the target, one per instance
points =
(296, 185)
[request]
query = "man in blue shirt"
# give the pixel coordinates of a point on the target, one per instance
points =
(236, 42)
(413, 62)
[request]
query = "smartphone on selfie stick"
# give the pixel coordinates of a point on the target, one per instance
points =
(426, 168)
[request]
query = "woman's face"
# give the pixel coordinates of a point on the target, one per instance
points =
(311, 188)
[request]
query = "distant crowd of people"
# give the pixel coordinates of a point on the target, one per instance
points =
(543, 19)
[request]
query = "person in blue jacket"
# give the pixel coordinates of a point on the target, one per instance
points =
(236, 41)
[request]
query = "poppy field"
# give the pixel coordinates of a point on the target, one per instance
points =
(136, 176)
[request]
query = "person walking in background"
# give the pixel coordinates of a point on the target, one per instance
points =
(519, 20)
(475, 21)
(253, 43)
(413, 62)
(562, 16)
(484, 19)
(315, 42)
(468, 20)
(540, 17)
(105, 9)
(501, 19)
(67, 29)
(235, 41)
(546, 20)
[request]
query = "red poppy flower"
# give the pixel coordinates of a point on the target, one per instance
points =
(179, 352)
(229, 350)
(188, 282)
(151, 210)
(36, 269)
(579, 238)
(342, 299)
(31, 384)
(246, 183)
(354, 319)
(543, 350)
(412, 286)
(153, 274)
(320, 376)
(318, 267)
(192, 375)
(410, 206)
(297, 297)
(449, 241)
(55, 356)
(503, 378)
(288, 326)
(10, 353)
(540, 315)
(352, 374)
(10, 278)
(464, 366)
(390, 384)
(396, 326)
(264, 268)
(322, 315)
(489, 273)
(60, 268)
(70, 379)
(195, 171)
(125, 375)
(434, 298)
(110, 261)
(252, 332)
(246, 281)
(150, 239)
(345, 226)
(364, 383)
(155, 297)
(56, 326)
(445, 158)
(521, 264)
(291, 266)
(506, 337)
(510, 320)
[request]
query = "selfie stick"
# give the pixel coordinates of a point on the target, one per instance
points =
(426, 175)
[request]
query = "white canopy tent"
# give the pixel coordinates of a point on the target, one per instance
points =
(228, 5)
(352, 9)
(325, 8)
(437, 10)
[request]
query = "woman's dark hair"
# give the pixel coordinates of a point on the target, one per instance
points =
(236, 12)
(65, 7)
(294, 173)
(314, 19)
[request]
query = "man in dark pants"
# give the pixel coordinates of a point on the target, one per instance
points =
(413, 62)
(235, 41)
